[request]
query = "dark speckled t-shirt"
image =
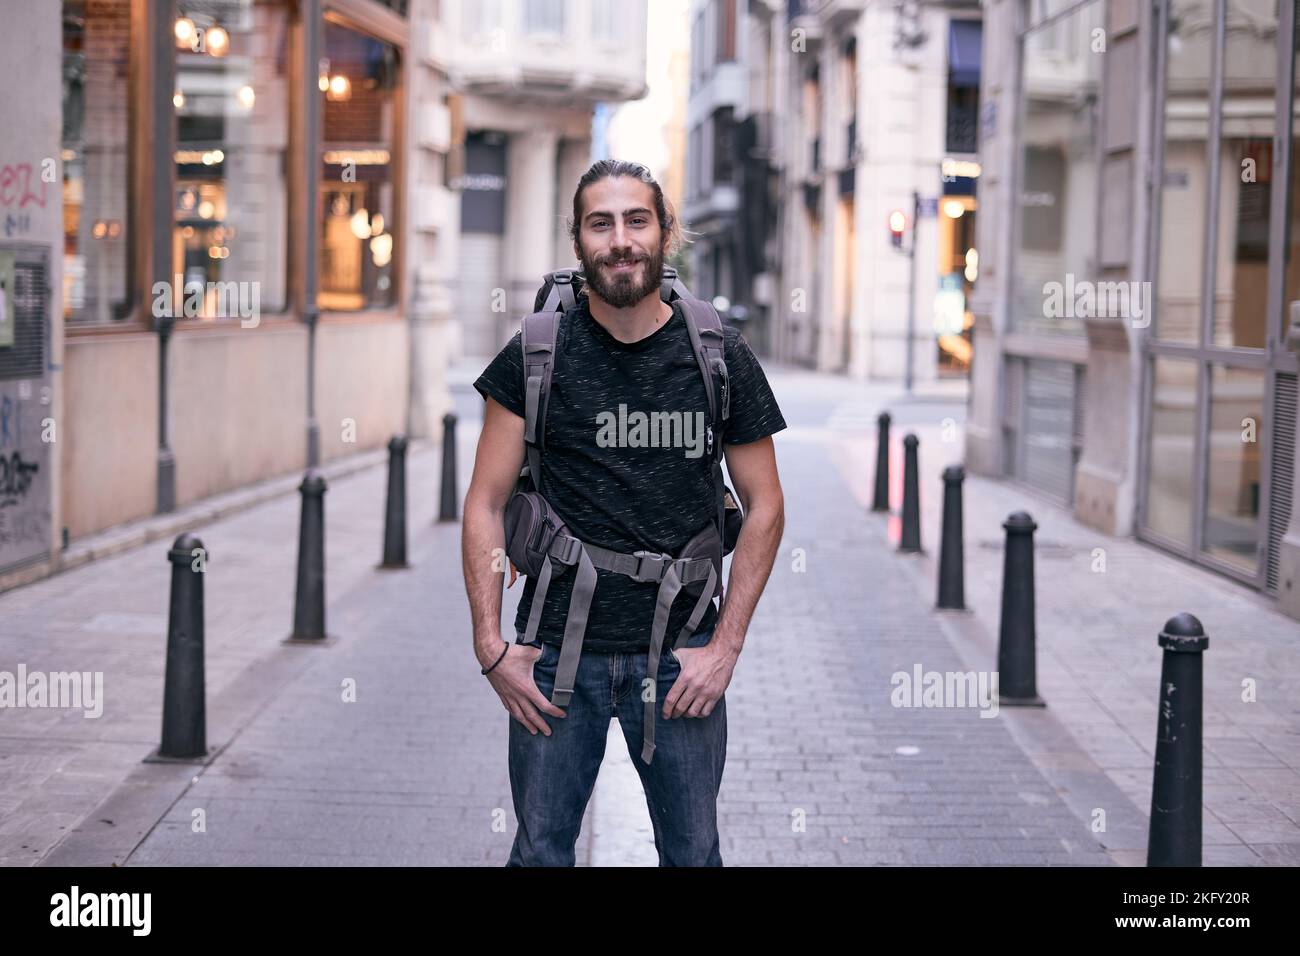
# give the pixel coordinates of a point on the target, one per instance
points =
(603, 473)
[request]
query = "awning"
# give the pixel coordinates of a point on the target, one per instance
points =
(965, 40)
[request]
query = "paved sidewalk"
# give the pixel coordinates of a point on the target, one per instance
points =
(1098, 660)
(822, 769)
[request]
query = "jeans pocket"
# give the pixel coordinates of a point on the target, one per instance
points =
(698, 639)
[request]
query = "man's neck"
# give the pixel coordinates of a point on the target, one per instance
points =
(631, 324)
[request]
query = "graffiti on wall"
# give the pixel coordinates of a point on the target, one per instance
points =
(24, 475)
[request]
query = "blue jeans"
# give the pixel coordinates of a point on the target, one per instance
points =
(551, 778)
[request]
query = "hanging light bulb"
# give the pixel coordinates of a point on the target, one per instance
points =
(247, 97)
(178, 99)
(218, 41)
(340, 88)
(185, 32)
(360, 224)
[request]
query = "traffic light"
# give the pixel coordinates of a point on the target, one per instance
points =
(897, 222)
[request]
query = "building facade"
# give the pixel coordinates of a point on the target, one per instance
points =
(831, 138)
(531, 73)
(224, 227)
(1137, 318)
(730, 188)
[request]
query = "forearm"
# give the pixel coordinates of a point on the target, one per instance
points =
(751, 563)
(482, 555)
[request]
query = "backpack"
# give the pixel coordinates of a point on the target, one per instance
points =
(539, 543)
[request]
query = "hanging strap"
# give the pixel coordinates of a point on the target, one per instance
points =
(575, 629)
(537, 338)
(668, 590)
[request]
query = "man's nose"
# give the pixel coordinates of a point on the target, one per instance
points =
(620, 240)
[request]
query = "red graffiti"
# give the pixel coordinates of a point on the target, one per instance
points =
(16, 186)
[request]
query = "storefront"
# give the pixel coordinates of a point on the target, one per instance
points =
(1136, 351)
(1217, 476)
(214, 198)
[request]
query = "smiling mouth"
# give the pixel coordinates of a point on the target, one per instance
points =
(623, 266)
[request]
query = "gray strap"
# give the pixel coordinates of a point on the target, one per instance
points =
(532, 401)
(567, 299)
(539, 598)
(575, 627)
(697, 613)
(560, 295)
(668, 589)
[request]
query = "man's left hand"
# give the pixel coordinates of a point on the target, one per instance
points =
(704, 676)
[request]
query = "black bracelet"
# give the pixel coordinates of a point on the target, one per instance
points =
(499, 659)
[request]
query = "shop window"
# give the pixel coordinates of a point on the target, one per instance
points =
(232, 126)
(357, 202)
(95, 163)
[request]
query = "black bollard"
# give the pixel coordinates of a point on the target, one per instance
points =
(448, 508)
(911, 538)
(952, 575)
(395, 509)
(1017, 667)
(309, 598)
(1175, 836)
(881, 500)
(184, 730)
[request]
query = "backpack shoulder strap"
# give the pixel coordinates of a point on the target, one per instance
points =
(537, 337)
(671, 287)
(557, 292)
(704, 326)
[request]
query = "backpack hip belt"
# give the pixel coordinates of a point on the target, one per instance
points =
(671, 574)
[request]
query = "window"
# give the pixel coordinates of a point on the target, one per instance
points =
(232, 127)
(724, 126)
(606, 25)
(1058, 189)
(726, 30)
(95, 161)
(480, 17)
(357, 201)
(543, 16)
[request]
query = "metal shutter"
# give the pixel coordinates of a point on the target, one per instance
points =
(1281, 481)
(480, 275)
(1049, 422)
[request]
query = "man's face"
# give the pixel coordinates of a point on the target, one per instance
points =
(620, 244)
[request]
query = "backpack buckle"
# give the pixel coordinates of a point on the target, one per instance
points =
(563, 276)
(571, 549)
(660, 569)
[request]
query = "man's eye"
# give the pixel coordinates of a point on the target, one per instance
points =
(639, 219)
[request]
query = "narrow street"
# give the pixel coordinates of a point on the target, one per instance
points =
(822, 767)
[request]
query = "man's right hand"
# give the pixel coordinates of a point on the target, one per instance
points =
(512, 679)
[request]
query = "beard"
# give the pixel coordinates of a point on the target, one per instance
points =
(622, 291)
